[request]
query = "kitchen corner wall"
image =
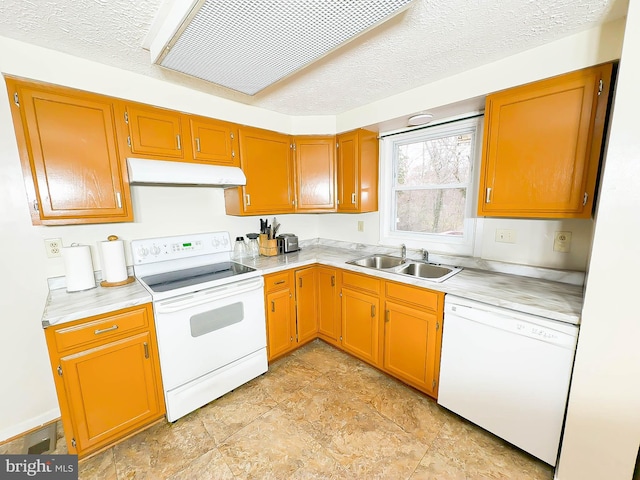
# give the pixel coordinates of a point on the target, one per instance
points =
(28, 397)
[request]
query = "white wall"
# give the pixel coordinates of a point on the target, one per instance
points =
(603, 418)
(28, 396)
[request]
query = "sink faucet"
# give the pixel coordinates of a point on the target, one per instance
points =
(425, 255)
(403, 252)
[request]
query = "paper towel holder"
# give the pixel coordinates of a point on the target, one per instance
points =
(129, 279)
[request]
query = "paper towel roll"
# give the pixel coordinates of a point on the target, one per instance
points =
(78, 267)
(114, 265)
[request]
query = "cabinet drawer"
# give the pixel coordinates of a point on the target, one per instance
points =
(277, 281)
(102, 328)
(362, 282)
(416, 295)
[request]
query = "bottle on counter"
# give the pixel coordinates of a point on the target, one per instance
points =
(239, 248)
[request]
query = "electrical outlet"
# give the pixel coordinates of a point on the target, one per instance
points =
(504, 235)
(562, 242)
(360, 225)
(54, 247)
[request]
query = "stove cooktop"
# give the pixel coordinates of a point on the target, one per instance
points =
(164, 282)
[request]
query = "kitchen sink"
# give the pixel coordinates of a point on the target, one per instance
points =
(378, 261)
(391, 264)
(429, 271)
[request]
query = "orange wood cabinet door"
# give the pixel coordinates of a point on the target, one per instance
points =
(154, 132)
(107, 375)
(306, 305)
(214, 141)
(265, 158)
(329, 322)
(68, 147)
(360, 325)
(542, 145)
(315, 174)
(280, 323)
(357, 171)
(111, 389)
(410, 345)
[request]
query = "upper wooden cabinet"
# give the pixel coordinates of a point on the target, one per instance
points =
(154, 132)
(265, 158)
(315, 173)
(68, 148)
(214, 141)
(357, 171)
(542, 146)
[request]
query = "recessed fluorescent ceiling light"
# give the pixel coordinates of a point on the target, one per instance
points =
(248, 45)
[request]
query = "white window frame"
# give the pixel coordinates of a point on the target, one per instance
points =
(436, 243)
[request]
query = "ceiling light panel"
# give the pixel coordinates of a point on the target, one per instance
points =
(248, 45)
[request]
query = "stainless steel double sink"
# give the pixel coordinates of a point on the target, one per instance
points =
(411, 268)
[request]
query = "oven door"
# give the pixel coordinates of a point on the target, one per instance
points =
(205, 331)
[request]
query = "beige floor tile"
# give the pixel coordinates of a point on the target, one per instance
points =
(210, 466)
(286, 376)
(101, 466)
(163, 449)
(272, 446)
(228, 414)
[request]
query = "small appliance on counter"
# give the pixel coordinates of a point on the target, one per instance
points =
(287, 243)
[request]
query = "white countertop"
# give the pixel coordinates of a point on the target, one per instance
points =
(550, 299)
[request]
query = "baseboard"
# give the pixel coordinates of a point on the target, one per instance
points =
(22, 428)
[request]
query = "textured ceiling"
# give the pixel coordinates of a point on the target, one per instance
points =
(431, 40)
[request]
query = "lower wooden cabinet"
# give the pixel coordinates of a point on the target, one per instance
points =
(107, 376)
(360, 324)
(393, 326)
(329, 308)
(413, 335)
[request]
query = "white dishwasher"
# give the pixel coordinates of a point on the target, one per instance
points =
(507, 372)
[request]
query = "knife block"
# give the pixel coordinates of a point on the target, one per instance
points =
(268, 248)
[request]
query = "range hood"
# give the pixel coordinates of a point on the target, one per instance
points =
(158, 172)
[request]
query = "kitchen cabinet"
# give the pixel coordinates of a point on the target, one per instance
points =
(265, 158)
(329, 321)
(107, 376)
(68, 148)
(315, 174)
(413, 335)
(357, 171)
(213, 141)
(153, 132)
(280, 309)
(542, 146)
(360, 316)
(291, 306)
(306, 305)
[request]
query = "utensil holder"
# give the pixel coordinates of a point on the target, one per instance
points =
(268, 248)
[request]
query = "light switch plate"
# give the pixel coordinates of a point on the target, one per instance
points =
(504, 235)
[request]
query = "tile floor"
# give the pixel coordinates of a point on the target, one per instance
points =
(317, 413)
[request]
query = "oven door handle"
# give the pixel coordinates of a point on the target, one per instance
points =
(207, 296)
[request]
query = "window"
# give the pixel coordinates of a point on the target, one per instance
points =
(428, 183)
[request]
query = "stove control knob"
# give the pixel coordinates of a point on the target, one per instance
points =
(143, 251)
(155, 250)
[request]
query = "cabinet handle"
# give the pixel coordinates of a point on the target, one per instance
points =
(233, 154)
(104, 330)
(333, 280)
(247, 200)
(179, 142)
(300, 282)
(146, 350)
(373, 310)
(488, 194)
(279, 282)
(119, 199)
(197, 144)
(386, 315)
(273, 306)
(353, 198)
